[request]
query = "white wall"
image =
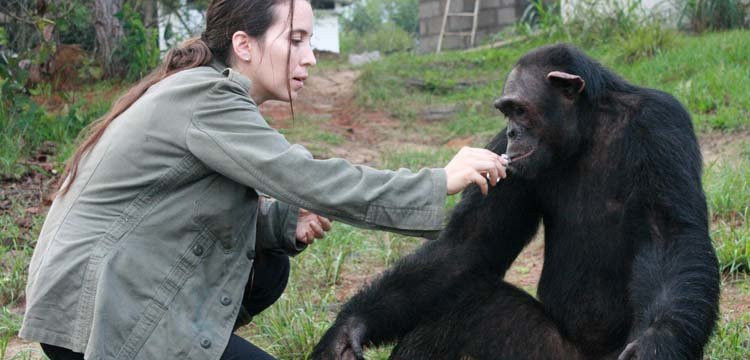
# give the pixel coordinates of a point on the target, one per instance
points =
(326, 31)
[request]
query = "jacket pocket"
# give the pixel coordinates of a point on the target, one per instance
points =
(225, 208)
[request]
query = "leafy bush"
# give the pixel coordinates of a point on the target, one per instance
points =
(383, 25)
(387, 38)
(17, 110)
(365, 16)
(405, 14)
(75, 27)
(139, 50)
(26, 125)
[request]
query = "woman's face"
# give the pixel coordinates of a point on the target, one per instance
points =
(268, 56)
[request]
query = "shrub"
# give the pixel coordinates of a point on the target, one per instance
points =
(139, 49)
(384, 25)
(387, 38)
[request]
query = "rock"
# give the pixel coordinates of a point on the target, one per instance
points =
(364, 58)
(438, 112)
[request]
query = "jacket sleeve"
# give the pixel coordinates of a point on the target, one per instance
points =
(277, 222)
(229, 135)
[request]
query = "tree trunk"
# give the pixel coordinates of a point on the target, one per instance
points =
(108, 32)
(150, 15)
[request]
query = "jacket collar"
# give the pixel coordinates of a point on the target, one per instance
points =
(231, 74)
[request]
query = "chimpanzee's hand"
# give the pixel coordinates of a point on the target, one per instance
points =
(343, 341)
(642, 348)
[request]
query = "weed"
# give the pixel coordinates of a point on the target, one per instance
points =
(702, 15)
(731, 340)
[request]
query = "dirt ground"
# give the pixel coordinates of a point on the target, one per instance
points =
(330, 94)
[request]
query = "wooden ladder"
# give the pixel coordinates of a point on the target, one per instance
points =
(447, 13)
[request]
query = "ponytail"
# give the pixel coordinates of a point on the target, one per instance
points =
(189, 54)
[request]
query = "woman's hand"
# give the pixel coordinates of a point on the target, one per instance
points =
(311, 226)
(474, 165)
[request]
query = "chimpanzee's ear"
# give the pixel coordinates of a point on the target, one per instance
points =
(571, 85)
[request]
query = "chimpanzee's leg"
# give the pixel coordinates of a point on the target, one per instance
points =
(494, 320)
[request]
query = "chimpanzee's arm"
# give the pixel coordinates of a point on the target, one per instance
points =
(484, 235)
(675, 283)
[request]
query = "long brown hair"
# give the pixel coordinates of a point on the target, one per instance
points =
(223, 19)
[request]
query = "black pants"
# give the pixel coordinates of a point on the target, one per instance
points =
(268, 281)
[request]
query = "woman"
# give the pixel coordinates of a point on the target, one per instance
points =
(157, 245)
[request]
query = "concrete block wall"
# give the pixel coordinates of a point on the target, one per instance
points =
(494, 15)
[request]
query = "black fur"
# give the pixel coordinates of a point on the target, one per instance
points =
(628, 258)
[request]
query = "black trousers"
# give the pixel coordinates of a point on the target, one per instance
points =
(267, 282)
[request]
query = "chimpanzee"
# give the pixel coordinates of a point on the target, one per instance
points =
(613, 171)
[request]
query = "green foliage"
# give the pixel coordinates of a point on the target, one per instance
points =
(646, 41)
(593, 23)
(702, 15)
(365, 16)
(18, 113)
(541, 17)
(26, 125)
(384, 25)
(731, 340)
(728, 194)
(3, 37)
(76, 27)
(139, 49)
(732, 240)
(387, 38)
(405, 14)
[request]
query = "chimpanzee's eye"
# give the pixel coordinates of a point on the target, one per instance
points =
(511, 108)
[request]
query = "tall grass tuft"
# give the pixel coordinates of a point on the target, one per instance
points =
(702, 15)
(731, 340)
(728, 194)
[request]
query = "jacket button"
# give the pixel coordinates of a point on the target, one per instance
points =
(226, 300)
(251, 254)
(198, 250)
(205, 343)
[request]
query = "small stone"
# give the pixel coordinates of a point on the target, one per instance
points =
(438, 112)
(364, 58)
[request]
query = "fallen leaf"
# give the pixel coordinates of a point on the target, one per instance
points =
(24, 223)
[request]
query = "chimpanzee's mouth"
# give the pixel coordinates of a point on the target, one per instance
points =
(514, 158)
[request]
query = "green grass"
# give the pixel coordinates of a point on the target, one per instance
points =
(307, 130)
(292, 326)
(727, 188)
(26, 125)
(731, 340)
(707, 73)
(16, 247)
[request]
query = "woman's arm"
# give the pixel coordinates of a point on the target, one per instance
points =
(229, 135)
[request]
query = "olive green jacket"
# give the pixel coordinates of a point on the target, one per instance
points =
(147, 255)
